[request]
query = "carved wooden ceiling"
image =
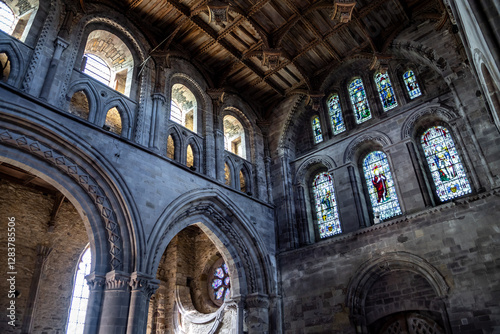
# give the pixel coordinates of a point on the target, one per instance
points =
(267, 49)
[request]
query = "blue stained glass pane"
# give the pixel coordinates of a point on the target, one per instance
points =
(411, 84)
(219, 273)
(228, 294)
(226, 269)
(335, 112)
(216, 283)
(326, 206)
(359, 101)
(226, 281)
(444, 163)
(385, 91)
(380, 185)
(219, 293)
(316, 126)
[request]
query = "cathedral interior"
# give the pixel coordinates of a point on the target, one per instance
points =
(250, 166)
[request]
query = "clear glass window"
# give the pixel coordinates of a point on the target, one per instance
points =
(79, 299)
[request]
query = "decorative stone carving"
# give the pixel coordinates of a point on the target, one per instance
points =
(316, 99)
(95, 282)
(116, 280)
(444, 114)
(314, 160)
(147, 284)
(342, 10)
(257, 300)
(374, 136)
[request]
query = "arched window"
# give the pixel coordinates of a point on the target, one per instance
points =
(326, 205)
(108, 60)
(380, 185)
(335, 112)
(359, 101)
(234, 136)
(183, 107)
(170, 147)
(411, 84)
(113, 121)
(220, 282)
(243, 182)
(189, 157)
(385, 91)
(444, 163)
(227, 174)
(4, 66)
(7, 18)
(79, 299)
(316, 127)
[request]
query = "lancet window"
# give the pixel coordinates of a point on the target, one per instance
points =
(326, 206)
(359, 101)
(335, 113)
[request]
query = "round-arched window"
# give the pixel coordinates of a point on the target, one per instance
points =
(7, 18)
(219, 282)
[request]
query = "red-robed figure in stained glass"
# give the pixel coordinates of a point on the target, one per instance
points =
(380, 183)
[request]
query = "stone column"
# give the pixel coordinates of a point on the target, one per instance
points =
(257, 307)
(219, 155)
(115, 305)
(60, 45)
(154, 130)
(42, 254)
(217, 160)
(301, 215)
(420, 176)
(357, 197)
(143, 287)
(96, 285)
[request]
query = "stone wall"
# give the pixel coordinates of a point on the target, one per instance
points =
(32, 209)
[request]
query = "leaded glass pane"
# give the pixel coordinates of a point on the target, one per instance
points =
(79, 300)
(385, 91)
(221, 282)
(380, 185)
(444, 163)
(359, 101)
(412, 84)
(335, 112)
(316, 126)
(7, 18)
(326, 206)
(97, 68)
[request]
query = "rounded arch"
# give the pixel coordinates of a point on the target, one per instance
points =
(426, 114)
(248, 142)
(16, 59)
(92, 96)
(125, 115)
(227, 226)
(311, 162)
(232, 173)
(372, 270)
(94, 189)
(489, 80)
(361, 144)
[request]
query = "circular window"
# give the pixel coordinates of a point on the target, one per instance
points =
(219, 283)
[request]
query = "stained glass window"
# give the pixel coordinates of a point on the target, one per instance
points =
(412, 84)
(335, 112)
(385, 91)
(316, 127)
(326, 205)
(444, 163)
(79, 300)
(381, 185)
(359, 101)
(221, 282)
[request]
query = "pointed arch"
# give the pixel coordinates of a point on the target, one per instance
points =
(16, 59)
(229, 173)
(174, 133)
(125, 114)
(196, 151)
(244, 182)
(92, 96)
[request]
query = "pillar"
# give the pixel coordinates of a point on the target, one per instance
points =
(154, 130)
(257, 307)
(60, 45)
(115, 305)
(96, 285)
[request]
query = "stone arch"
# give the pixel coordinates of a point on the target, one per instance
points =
(353, 150)
(125, 114)
(248, 129)
(232, 171)
(178, 142)
(197, 152)
(489, 80)
(374, 269)
(227, 226)
(305, 166)
(16, 58)
(294, 113)
(245, 171)
(434, 112)
(92, 96)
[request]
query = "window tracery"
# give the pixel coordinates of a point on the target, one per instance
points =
(385, 91)
(359, 101)
(79, 299)
(220, 282)
(316, 127)
(335, 112)
(326, 206)
(381, 188)
(444, 164)
(7, 18)
(411, 84)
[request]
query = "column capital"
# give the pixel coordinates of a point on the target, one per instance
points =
(257, 300)
(117, 280)
(145, 283)
(95, 281)
(159, 96)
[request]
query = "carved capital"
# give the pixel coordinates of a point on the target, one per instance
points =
(257, 300)
(95, 282)
(117, 280)
(159, 97)
(145, 283)
(316, 100)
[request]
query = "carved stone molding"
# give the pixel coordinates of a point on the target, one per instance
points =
(78, 173)
(310, 162)
(442, 113)
(289, 121)
(374, 136)
(117, 280)
(95, 282)
(257, 300)
(147, 284)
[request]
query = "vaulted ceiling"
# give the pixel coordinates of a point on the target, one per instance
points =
(299, 39)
